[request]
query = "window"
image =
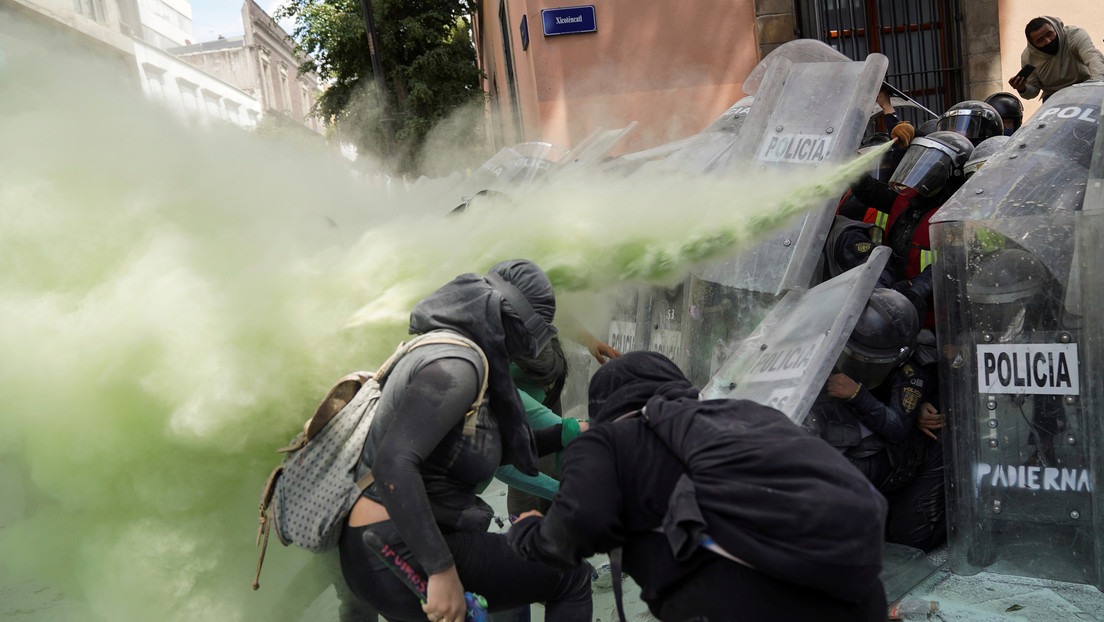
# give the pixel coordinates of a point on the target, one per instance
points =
(285, 88)
(266, 82)
(511, 75)
(211, 103)
(189, 95)
(233, 112)
(92, 9)
(919, 37)
(155, 81)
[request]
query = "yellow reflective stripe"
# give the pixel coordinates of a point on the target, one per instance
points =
(882, 219)
(926, 259)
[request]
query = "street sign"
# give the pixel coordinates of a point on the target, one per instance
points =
(569, 20)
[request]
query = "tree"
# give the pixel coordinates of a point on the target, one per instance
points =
(429, 69)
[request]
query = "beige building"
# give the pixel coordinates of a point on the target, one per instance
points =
(262, 63)
(556, 70)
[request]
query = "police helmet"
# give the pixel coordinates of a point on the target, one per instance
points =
(1009, 107)
(882, 339)
(927, 127)
(973, 119)
(1007, 292)
(931, 162)
(982, 152)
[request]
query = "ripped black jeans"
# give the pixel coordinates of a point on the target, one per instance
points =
(486, 565)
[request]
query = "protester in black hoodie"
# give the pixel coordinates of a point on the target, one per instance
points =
(428, 455)
(741, 545)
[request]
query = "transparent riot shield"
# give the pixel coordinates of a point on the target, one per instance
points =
(594, 148)
(1013, 371)
(1043, 168)
(701, 152)
(786, 361)
(805, 114)
(1090, 235)
(511, 165)
(628, 329)
(1018, 297)
(818, 110)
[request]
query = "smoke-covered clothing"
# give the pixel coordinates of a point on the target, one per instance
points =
(1076, 61)
(428, 454)
(876, 430)
(473, 307)
(426, 468)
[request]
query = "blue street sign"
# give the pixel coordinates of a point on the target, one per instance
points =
(569, 20)
(524, 32)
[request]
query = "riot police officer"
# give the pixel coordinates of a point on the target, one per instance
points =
(1009, 107)
(869, 411)
(929, 173)
(973, 119)
(982, 153)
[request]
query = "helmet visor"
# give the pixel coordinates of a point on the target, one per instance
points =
(922, 169)
(970, 126)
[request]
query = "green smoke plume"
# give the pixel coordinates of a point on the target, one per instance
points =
(174, 300)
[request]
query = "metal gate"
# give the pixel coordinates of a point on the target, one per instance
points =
(920, 38)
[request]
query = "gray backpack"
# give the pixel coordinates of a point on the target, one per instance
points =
(308, 496)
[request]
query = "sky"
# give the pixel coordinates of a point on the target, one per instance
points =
(211, 18)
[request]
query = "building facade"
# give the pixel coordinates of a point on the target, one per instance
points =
(262, 63)
(163, 23)
(674, 67)
(193, 93)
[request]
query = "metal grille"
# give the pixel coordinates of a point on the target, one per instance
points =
(920, 38)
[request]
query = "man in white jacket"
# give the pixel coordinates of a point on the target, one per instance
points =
(1060, 55)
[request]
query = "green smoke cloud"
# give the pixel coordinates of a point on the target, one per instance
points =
(174, 299)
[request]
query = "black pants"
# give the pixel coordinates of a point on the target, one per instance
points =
(724, 591)
(917, 506)
(486, 565)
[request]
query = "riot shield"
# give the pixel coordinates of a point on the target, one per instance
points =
(1090, 230)
(798, 51)
(786, 361)
(511, 165)
(1043, 168)
(594, 147)
(805, 114)
(1019, 301)
(714, 143)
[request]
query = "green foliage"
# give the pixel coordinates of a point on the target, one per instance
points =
(428, 62)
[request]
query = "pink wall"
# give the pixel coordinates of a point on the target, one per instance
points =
(672, 66)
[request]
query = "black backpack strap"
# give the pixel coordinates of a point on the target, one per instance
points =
(615, 574)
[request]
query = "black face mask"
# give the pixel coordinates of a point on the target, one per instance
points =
(1050, 48)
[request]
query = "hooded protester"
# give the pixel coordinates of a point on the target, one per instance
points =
(1056, 56)
(720, 508)
(428, 456)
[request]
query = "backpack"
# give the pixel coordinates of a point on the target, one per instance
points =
(308, 496)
